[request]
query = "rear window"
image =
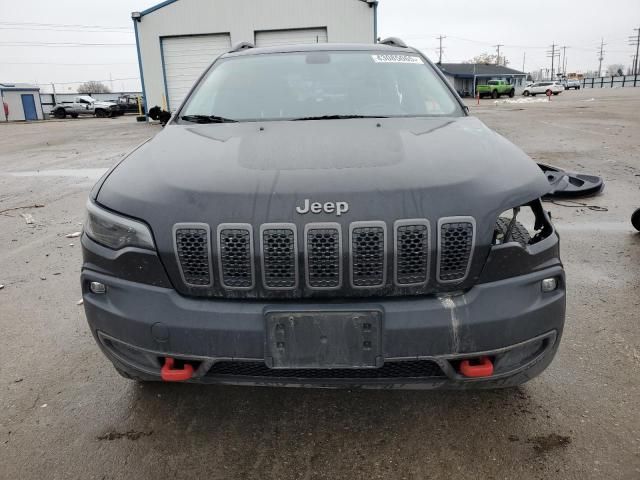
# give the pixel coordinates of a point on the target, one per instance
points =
(286, 86)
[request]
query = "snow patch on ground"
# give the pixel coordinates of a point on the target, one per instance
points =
(521, 100)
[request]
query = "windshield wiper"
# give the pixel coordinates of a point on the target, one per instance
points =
(207, 119)
(338, 117)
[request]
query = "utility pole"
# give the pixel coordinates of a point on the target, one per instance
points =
(498, 51)
(600, 57)
(440, 49)
(524, 57)
(635, 39)
(553, 53)
(564, 60)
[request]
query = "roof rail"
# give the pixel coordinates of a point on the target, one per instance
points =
(394, 42)
(241, 46)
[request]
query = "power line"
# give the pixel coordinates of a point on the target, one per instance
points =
(498, 50)
(63, 44)
(564, 60)
(68, 64)
(83, 81)
(601, 56)
(507, 45)
(636, 39)
(66, 25)
(553, 53)
(48, 29)
(440, 49)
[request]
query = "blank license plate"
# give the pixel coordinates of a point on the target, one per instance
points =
(317, 339)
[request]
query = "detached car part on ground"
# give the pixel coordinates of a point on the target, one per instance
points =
(86, 105)
(353, 226)
(565, 184)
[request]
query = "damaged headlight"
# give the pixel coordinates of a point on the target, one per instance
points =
(525, 225)
(115, 231)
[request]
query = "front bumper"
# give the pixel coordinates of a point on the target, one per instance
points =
(510, 320)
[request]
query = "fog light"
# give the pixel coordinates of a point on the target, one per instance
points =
(549, 284)
(97, 287)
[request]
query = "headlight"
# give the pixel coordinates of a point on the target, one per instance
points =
(115, 231)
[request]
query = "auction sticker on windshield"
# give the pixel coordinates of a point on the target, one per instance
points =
(396, 58)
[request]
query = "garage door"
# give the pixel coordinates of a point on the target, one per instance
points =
(288, 37)
(185, 58)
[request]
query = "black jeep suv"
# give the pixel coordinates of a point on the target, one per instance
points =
(324, 215)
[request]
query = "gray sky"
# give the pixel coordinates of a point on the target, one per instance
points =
(471, 29)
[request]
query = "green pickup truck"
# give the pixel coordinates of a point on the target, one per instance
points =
(495, 88)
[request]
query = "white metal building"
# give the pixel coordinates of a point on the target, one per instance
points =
(178, 39)
(21, 101)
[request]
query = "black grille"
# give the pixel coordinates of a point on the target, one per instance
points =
(323, 257)
(456, 244)
(235, 257)
(367, 256)
(402, 369)
(412, 254)
(279, 257)
(192, 248)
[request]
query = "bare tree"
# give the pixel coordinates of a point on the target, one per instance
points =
(615, 70)
(488, 59)
(93, 87)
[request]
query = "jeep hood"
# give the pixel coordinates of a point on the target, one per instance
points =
(385, 169)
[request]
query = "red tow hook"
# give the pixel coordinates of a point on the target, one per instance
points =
(169, 374)
(474, 368)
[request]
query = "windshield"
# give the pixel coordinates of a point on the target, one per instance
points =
(304, 85)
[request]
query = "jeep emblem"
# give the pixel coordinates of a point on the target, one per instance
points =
(328, 207)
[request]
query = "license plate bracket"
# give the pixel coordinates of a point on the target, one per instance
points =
(323, 339)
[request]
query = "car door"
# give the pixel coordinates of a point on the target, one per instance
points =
(541, 87)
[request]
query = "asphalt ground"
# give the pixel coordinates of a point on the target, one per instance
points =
(65, 413)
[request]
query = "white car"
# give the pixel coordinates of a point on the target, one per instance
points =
(542, 88)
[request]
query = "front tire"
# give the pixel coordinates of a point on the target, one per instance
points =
(526, 93)
(494, 94)
(60, 113)
(519, 233)
(512, 93)
(101, 114)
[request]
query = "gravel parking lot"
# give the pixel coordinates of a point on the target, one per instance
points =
(65, 413)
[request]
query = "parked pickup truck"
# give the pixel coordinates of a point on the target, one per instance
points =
(85, 105)
(495, 88)
(571, 83)
(129, 103)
